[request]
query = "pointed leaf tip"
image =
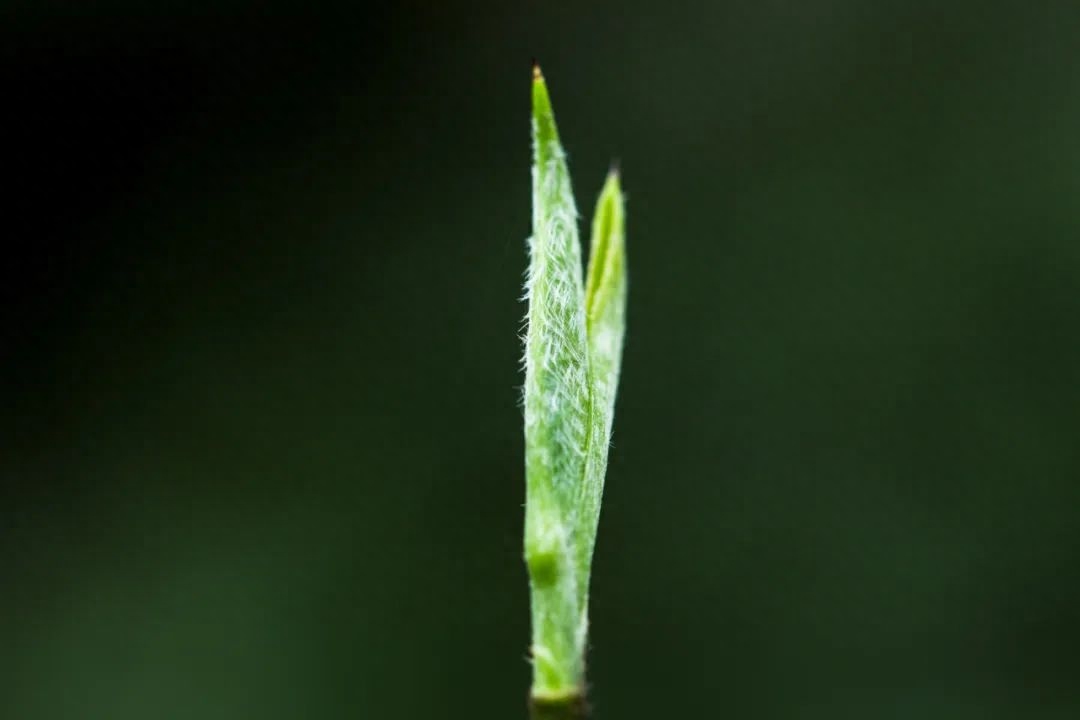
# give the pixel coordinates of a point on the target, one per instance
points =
(545, 132)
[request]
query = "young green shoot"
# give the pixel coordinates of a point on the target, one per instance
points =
(573, 350)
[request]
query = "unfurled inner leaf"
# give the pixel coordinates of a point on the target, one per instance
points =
(605, 317)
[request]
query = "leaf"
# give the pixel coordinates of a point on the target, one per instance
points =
(605, 309)
(557, 408)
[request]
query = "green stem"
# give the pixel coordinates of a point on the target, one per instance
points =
(569, 707)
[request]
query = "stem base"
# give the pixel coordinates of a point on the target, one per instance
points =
(567, 707)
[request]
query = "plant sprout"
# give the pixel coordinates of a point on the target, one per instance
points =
(573, 349)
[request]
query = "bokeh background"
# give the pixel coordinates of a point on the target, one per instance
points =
(261, 449)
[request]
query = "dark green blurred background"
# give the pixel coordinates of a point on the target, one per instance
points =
(260, 445)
